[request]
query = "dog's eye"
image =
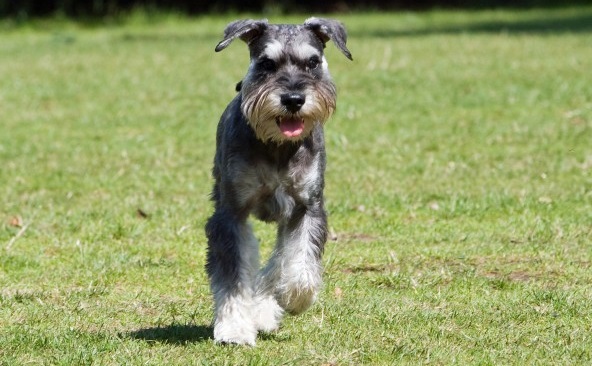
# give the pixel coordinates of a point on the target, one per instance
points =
(313, 62)
(267, 64)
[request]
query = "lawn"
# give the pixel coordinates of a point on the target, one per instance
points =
(459, 192)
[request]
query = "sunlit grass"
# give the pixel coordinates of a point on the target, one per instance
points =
(459, 188)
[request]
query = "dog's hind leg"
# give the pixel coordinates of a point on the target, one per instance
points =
(233, 261)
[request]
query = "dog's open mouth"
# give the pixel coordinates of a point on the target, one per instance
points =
(291, 126)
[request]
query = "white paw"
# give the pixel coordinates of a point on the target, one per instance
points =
(267, 313)
(296, 300)
(235, 331)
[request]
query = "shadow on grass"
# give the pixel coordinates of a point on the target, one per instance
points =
(187, 334)
(174, 334)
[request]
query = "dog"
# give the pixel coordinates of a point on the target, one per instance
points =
(270, 162)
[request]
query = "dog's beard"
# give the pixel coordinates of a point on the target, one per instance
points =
(271, 121)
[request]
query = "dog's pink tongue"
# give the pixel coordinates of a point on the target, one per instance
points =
(291, 126)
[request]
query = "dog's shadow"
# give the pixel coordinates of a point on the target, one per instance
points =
(174, 334)
(186, 334)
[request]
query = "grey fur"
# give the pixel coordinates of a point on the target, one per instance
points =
(270, 162)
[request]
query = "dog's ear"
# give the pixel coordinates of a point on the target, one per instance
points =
(327, 29)
(246, 29)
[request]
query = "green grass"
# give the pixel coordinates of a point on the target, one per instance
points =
(459, 188)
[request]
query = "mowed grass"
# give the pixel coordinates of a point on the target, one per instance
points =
(459, 192)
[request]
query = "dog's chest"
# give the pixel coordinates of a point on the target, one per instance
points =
(273, 189)
(296, 179)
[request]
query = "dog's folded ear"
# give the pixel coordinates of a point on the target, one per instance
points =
(246, 29)
(328, 29)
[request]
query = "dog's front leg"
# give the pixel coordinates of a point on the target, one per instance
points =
(233, 259)
(301, 240)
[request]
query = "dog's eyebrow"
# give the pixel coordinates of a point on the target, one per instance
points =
(304, 51)
(274, 50)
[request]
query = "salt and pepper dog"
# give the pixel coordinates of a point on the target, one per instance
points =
(270, 162)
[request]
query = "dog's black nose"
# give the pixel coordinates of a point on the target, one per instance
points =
(293, 101)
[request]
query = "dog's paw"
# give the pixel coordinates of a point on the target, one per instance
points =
(240, 332)
(297, 300)
(267, 314)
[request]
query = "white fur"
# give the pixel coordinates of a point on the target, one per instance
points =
(325, 65)
(304, 51)
(274, 50)
(301, 274)
(233, 322)
(294, 270)
(267, 312)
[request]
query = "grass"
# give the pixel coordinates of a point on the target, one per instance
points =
(459, 189)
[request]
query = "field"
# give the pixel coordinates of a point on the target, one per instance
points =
(459, 192)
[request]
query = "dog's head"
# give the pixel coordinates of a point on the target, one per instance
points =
(288, 87)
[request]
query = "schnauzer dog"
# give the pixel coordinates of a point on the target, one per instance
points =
(270, 162)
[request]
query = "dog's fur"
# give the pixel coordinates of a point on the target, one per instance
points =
(270, 162)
